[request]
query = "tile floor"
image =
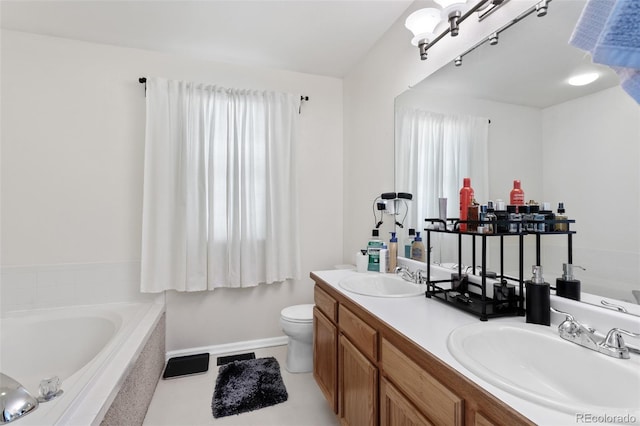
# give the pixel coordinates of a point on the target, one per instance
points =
(186, 401)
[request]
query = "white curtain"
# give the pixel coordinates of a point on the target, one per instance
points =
(434, 153)
(220, 197)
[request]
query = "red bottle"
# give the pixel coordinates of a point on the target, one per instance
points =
(517, 194)
(466, 199)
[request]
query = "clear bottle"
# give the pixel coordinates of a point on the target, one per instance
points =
(417, 249)
(561, 227)
(466, 198)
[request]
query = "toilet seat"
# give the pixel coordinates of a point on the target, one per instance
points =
(298, 313)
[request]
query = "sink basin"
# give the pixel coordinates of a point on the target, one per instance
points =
(381, 285)
(533, 362)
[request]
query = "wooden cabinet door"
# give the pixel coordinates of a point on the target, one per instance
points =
(430, 396)
(396, 410)
(358, 394)
(325, 357)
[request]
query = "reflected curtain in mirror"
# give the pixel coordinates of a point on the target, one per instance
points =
(219, 203)
(434, 152)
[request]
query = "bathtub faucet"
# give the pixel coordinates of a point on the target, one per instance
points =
(15, 400)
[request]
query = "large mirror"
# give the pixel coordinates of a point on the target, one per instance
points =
(576, 145)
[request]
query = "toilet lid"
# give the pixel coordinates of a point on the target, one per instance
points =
(298, 313)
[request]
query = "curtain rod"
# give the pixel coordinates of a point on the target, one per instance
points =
(143, 80)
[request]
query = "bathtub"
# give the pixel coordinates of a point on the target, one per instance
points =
(90, 348)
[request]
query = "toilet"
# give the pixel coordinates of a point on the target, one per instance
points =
(297, 324)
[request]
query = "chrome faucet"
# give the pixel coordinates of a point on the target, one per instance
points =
(417, 277)
(405, 273)
(612, 345)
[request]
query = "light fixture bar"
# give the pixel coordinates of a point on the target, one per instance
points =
(495, 5)
(459, 21)
(532, 9)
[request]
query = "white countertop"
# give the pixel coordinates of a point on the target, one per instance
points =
(428, 322)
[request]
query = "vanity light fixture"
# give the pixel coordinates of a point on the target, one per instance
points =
(452, 10)
(422, 23)
(583, 79)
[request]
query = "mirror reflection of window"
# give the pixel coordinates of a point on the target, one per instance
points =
(434, 153)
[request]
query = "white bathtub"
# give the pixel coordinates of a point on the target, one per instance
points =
(90, 348)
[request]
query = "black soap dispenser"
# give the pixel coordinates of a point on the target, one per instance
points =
(538, 298)
(568, 286)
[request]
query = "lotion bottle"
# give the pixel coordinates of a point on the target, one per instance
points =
(538, 298)
(393, 252)
(567, 286)
(417, 249)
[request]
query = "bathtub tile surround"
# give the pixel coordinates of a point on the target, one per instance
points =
(47, 286)
(130, 404)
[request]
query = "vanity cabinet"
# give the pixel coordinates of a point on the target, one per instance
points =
(325, 347)
(373, 375)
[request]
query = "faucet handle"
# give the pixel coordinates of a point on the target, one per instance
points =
(614, 343)
(420, 276)
(614, 337)
(568, 315)
(571, 325)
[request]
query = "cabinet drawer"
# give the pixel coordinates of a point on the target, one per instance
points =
(436, 401)
(327, 304)
(363, 336)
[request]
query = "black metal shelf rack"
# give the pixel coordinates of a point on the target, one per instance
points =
(480, 304)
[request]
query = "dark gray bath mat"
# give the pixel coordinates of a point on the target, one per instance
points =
(186, 365)
(248, 385)
(222, 360)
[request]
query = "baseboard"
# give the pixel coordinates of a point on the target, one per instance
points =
(230, 347)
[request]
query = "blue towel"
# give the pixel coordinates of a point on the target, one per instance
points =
(619, 43)
(630, 81)
(610, 31)
(590, 24)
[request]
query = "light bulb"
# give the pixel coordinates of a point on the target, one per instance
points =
(422, 23)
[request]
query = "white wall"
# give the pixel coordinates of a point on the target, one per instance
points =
(599, 136)
(73, 118)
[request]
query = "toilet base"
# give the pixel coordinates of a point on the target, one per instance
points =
(299, 357)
